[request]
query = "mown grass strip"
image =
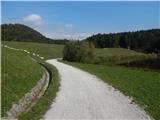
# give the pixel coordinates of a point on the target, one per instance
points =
(142, 86)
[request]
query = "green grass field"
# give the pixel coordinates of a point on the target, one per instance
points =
(48, 51)
(115, 51)
(143, 86)
(19, 74)
(118, 55)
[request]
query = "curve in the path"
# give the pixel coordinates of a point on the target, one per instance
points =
(84, 96)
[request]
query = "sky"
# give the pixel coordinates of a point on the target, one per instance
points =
(78, 20)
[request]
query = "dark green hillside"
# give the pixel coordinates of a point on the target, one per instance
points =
(144, 41)
(19, 32)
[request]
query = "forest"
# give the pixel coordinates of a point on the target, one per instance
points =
(147, 41)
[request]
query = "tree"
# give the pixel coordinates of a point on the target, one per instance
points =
(79, 51)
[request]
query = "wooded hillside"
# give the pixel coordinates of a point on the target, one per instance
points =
(144, 41)
(19, 32)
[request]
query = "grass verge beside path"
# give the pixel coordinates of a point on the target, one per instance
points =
(142, 86)
(39, 109)
(47, 51)
(19, 75)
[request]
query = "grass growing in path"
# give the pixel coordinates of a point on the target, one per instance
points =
(37, 111)
(19, 74)
(143, 86)
(48, 51)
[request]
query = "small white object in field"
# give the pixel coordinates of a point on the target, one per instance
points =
(28, 52)
(37, 55)
(42, 57)
(25, 50)
(34, 54)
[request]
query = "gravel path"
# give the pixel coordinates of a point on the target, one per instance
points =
(84, 96)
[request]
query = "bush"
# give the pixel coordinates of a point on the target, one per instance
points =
(79, 51)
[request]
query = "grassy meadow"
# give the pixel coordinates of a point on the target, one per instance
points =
(19, 73)
(118, 55)
(142, 86)
(48, 51)
(115, 51)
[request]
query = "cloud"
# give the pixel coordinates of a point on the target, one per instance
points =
(72, 36)
(68, 25)
(34, 19)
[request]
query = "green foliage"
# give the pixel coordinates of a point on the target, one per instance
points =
(79, 51)
(144, 41)
(142, 86)
(19, 74)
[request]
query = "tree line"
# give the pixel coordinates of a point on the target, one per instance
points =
(144, 41)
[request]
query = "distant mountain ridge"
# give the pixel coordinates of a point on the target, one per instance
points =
(20, 32)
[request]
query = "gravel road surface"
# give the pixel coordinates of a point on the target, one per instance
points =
(84, 96)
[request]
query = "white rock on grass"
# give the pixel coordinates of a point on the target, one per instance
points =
(34, 54)
(42, 57)
(25, 50)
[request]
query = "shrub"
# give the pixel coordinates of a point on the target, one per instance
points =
(79, 51)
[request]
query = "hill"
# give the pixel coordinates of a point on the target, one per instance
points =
(144, 41)
(19, 32)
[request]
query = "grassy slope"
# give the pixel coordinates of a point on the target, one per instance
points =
(46, 100)
(143, 86)
(115, 51)
(19, 75)
(118, 55)
(47, 51)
